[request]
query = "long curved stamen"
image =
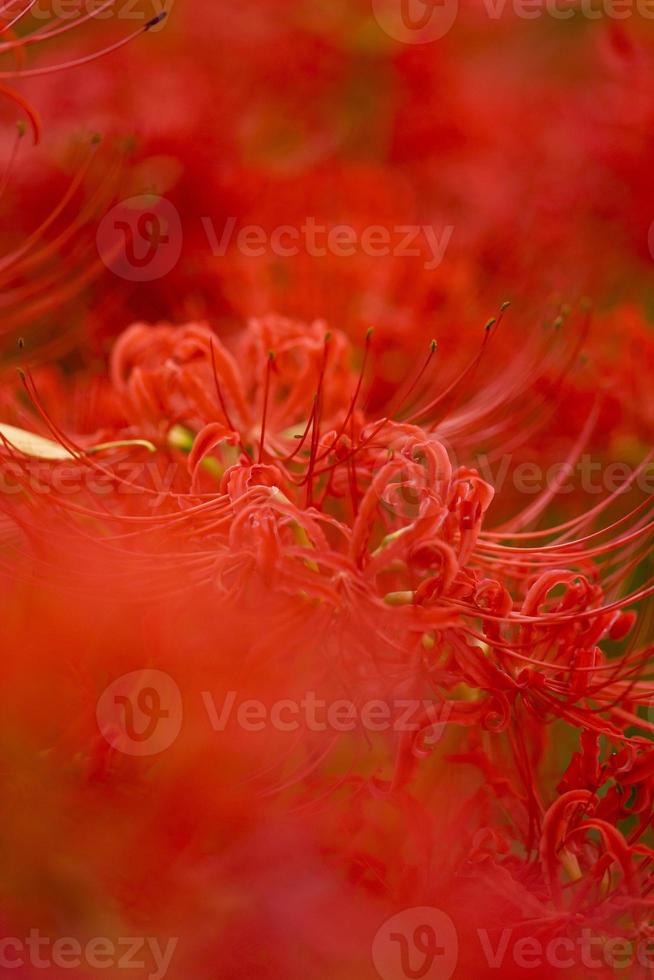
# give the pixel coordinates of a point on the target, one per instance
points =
(43, 34)
(266, 395)
(86, 59)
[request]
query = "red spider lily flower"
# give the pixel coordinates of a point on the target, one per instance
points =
(289, 657)
(340, 552)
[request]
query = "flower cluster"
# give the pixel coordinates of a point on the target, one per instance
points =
(349, 556)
